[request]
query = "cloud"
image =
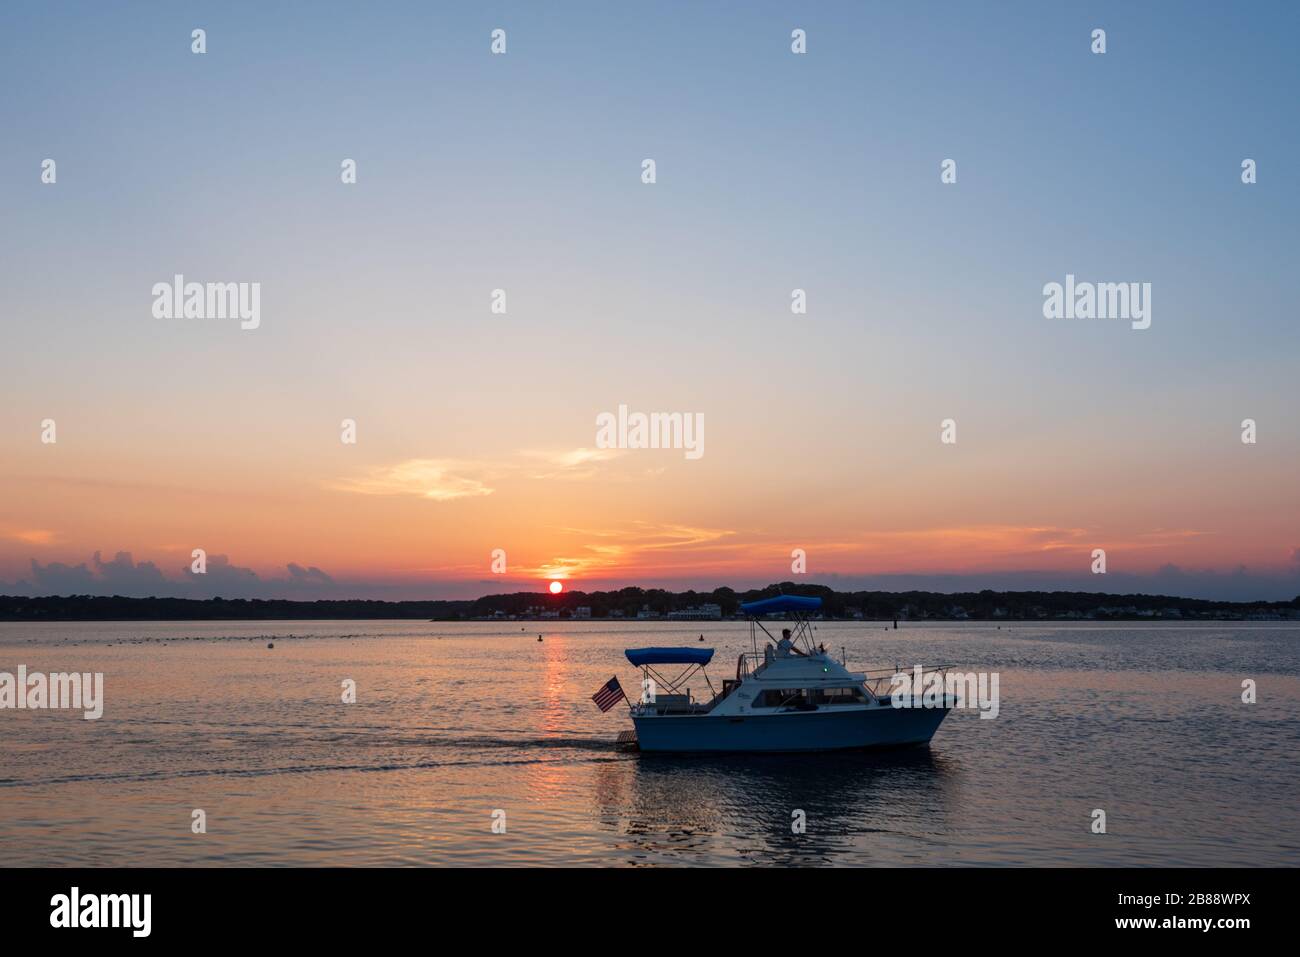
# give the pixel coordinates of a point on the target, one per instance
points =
(32, 536)
(632, 548)
(1236, 584)
(121, 576)
(571, 464)
(127, 577)
(56, 578)
(996, 556)
(222, 578)
(445, 480)
(123, 572)
(436, 479)
(228, 580)
(312, 575)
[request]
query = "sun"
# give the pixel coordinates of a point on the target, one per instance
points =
(557, 587)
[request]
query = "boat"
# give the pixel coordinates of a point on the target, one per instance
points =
(790, 695)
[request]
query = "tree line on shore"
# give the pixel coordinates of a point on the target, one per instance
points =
(631, 602)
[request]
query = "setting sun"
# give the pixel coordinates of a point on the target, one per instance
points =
(556, 588)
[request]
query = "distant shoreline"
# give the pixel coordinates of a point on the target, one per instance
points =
(666, 621)
(634, 604)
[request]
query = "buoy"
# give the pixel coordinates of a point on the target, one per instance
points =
(701, 637)
(539, 637)
(270, 644)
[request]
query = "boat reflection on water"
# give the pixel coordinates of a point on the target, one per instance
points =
(859, 808)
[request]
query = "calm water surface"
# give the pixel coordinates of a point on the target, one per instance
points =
(456, 721)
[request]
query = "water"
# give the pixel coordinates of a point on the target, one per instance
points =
(456, 721)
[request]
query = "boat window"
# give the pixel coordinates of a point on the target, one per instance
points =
(776, 697)
(838, 696)
(788, 697)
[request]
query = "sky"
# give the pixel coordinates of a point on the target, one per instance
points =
(523, 171)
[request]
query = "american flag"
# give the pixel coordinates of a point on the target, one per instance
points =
(608, 694)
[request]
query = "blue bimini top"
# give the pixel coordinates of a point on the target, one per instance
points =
(669, 656)
(780, 603)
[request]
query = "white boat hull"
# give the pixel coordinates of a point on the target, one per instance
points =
(827, 729)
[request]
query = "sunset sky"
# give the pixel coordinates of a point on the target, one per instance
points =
(775, 171)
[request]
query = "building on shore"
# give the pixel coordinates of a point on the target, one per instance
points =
(705, 612)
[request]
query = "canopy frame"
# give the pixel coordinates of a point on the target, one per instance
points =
(694, 659)
(675, 684)
(800, 635)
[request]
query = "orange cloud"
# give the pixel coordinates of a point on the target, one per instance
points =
(441, 481)
(34, 536)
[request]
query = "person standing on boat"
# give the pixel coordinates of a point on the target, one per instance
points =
(785, 647)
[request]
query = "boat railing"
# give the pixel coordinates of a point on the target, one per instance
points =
(672, 704)
(881, 681)
(749, 663)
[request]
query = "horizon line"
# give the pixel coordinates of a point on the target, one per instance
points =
(567, 593)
